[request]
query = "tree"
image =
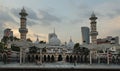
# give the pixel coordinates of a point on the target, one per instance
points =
(76, 48)
(42, 42)
(44, 50)
(33, 49)
(5, 39)
(81, 50)
(29, 40)
(1, 47)
(15, 38)
(85, 51)
(15, 48)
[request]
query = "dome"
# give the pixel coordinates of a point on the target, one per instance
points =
(54, 41)
(70, 44)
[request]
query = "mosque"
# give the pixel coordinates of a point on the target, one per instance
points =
(54, 51)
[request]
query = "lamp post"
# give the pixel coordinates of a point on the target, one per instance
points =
(90, 58)
(20, 55)
(108, 57)
(40, 56)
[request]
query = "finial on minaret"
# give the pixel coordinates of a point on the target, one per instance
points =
(54, 30)
(23, 12)
(37, 38)
(70, 39)
(93, 14)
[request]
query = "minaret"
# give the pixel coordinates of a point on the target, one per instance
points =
(93, 32)
(23, 30)
(70, 39)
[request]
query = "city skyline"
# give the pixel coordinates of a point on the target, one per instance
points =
(67, 16)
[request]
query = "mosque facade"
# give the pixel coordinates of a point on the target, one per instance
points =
(55, 51)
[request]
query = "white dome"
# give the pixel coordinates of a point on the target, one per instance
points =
(54, 41)
(36, 42)
(70, 44)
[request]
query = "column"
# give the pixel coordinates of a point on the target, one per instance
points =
(107, 57)
(40, 56)
(24, 54)
(90, 58)
(20, 55)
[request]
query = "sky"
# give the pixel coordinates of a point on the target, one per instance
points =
(66, 16)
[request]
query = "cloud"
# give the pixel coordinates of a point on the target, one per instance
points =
(9, 18)
(47, 18)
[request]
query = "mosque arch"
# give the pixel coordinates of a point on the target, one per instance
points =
(36, 57)
(60, 58)
(78, 59)
(81, 59)
(28, 58)
(67, 58)
(71, 59)
(45, 58)
(75, 58)
(85, 58)
(48, 58)
(113, 59)
(52, 58)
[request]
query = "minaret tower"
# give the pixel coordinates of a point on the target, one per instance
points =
(23, 30)
(93, 32)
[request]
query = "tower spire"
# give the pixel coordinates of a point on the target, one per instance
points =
(37, 38)
(93, 14)
(93, 32)
(23, 30)
(70, 39)
(54, 30)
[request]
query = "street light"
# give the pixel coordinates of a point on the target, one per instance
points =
(108, 56)
(90, 58)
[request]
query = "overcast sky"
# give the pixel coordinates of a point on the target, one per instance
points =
(67, 16)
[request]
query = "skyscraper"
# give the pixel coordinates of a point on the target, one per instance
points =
(23, 30)
(93, 32)
(85, 35)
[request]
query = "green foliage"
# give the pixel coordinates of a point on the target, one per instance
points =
(11, 38)
(15, 38)
(1, 47)
(76, 48)
(15, 48)
(5, 39)
(29, 40)
(42, 42)
(44, 50)
(33, 49)
(80, 50)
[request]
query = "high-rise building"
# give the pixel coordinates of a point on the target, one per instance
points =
(85, 35)
(23, 30)
(93, 32)
(8, 33)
